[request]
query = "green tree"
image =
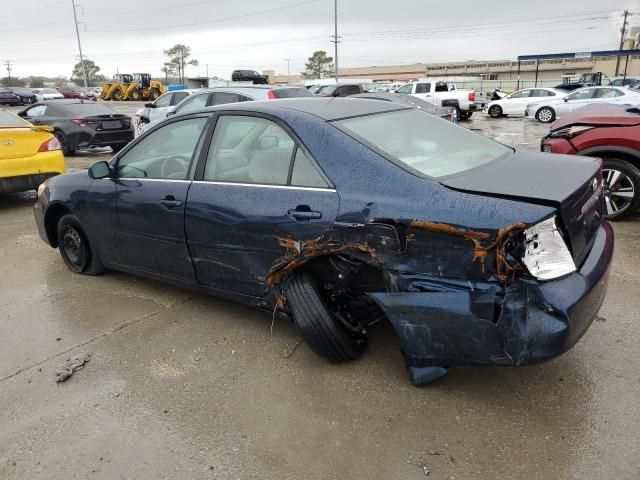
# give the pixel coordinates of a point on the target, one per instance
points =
(15, 82)
(319, 65)
(36, 82)
(93, 77)
(180, 58)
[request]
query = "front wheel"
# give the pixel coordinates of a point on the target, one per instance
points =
(546, 115)
(319, 327)
(495, 111)
(135, 95)
(75, 249)
(621, 189)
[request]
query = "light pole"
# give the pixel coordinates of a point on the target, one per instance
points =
(288, 60)
(75, 21)
(335, 38)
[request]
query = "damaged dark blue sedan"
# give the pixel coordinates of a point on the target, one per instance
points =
(339, 212)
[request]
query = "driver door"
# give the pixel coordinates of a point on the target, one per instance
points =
(517, 103)
(152, 182)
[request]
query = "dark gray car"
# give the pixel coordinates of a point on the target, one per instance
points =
(82, 124)
(448, 113)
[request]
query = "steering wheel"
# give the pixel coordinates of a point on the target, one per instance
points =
(144, 174)
(173, 165)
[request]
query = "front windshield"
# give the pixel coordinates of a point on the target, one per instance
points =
(423, 143)
(327, 89)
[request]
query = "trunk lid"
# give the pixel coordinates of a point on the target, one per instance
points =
(18, 142)
(571, 184)
(114, 121)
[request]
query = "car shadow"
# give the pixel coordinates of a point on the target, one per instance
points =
(16, 200)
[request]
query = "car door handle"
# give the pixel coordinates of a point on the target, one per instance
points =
(170, 202)
(304, 214)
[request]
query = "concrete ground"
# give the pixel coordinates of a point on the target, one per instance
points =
(182, 385)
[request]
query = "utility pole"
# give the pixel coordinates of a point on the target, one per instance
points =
(8, 65)
(336, 40)
(288, 60)
(623, 32)
(75, 21)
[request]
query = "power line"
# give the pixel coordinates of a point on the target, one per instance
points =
(153, 9)
(236, 17)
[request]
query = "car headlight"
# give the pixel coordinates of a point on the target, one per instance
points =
(570, 132)
(546, 255)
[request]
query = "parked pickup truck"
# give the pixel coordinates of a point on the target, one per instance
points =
(442, 94)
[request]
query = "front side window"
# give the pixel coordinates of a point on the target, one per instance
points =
(421, 142)
(193, 104)
(581, 94)
(165, 153)
(164, 100)
(407, 89)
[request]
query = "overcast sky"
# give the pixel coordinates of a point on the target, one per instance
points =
(258, 34)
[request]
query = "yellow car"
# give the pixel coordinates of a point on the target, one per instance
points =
(29, 154)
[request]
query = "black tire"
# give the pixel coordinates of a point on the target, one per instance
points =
(545, 115)
(136, 95)
(117, 95)
(154, 93)
(75, 249)
(320, 329)
(458, 112)
(495, 111)
(618, 206)
(64, 143)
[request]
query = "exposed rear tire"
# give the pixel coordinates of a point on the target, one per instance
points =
(136, 95)
(545, 115)
(154, 93)
(117, 95)
(466, 115)
(75, 249)
(319, 327)
(64, 143)
(495, 111)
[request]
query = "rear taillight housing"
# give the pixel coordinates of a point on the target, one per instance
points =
(472, 96)
(50, 145)
(81, 122)
(271, 95)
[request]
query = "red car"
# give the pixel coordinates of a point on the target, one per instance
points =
(610, 132)
(74, 92)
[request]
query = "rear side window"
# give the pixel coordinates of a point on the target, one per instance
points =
(304, 173)
(349, 90)
(291, 92)
(542, 93)
(608, 93)
(422, 88)
(196, 102)
(222, 98)
(582, 94)
(178, 97)
(37, 111)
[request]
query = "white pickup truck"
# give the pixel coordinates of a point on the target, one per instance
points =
(443, 94)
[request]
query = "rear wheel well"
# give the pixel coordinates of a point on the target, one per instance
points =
(52, 217)
(612, 154)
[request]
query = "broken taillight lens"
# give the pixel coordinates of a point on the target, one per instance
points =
(570, 132)
(546, 255)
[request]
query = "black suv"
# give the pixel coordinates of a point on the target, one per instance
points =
(249, 76)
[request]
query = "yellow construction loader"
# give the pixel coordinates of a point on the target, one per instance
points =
(142, 87)
(117, 88)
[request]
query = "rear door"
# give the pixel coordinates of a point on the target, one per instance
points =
(257, 186)
(152, 181)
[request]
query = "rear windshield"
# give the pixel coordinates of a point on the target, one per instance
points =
(291, 92)
(8, 120)
(88, 108)
(423, 143)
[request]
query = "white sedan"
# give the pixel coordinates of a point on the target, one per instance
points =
(550, 109)
(46, 94)
(516, 103)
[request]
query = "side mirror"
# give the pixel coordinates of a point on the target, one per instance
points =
(566, 100)
(99, 170)
(150, 105)
(172, 112)
(22, 114)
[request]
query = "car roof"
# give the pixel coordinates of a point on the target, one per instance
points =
(326, 108)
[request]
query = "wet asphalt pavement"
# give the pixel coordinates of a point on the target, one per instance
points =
(181, 385)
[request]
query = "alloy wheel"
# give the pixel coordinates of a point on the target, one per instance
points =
(545, 115)
(619, 191)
